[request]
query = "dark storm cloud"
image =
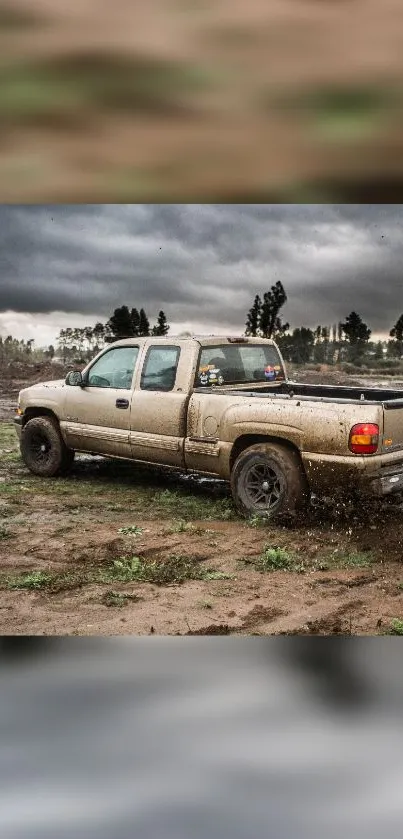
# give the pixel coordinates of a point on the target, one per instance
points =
(204, 263)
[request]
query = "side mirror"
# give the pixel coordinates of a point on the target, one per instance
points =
(74, 379)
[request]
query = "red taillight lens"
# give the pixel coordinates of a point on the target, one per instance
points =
(364, 438)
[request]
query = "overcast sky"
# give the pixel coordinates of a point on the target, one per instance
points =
(70, 265)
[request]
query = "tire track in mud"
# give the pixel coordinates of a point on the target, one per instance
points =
(336, 621)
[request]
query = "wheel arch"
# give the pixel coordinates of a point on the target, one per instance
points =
(32, 413)
(246, 440)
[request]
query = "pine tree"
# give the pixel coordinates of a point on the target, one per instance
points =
(144, 324)
(397, 334)
(302, 343)
(355, 329)
(120, 323)
(161, 327)
(357, 333)
(99, 333)
(135, 320)
(253, 318)
(270, 322)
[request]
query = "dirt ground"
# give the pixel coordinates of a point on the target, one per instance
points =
(185, 562)
(200, 100)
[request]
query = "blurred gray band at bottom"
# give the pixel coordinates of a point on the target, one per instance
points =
(170, 738)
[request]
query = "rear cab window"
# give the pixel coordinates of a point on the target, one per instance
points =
(160, 368)
(230, 364)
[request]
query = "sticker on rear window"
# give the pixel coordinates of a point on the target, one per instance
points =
(210, 375)
(270, 373)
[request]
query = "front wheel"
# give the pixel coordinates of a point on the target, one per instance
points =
(268, 480)
(43, 449)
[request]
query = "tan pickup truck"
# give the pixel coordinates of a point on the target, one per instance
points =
(222, 407)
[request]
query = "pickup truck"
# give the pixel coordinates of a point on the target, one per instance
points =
(220, 407)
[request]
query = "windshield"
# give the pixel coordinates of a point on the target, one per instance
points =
(239, 364)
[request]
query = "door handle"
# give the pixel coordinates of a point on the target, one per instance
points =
(122, 403)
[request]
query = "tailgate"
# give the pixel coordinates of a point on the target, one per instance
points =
(393, 425)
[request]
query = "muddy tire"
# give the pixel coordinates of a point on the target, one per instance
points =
(268, 480)
(43, 449)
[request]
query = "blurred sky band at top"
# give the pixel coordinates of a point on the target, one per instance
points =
(269, 100)
(201, 739)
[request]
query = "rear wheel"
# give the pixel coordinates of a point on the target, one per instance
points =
(268, 480)
(43, 449)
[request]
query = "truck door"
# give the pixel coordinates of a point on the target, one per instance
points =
(158, 409)
(97, 416)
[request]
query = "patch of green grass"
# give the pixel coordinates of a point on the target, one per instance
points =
(111, 486)
(217, 575)
(257, 521)
(4, 533)
(65, 89)
(131, 530)
(194, 507)
(355, 559)
(280, 559)
(173, 570)
(118, 599)
(9, 455)
(181, 527)
(344, 112)
(32, 581)
(275, 559)
(319, 564)
(188, 527)
(8, 434)
(9, 446)
(396, 627)
(206, 604)
(13, 486)
(53, 582)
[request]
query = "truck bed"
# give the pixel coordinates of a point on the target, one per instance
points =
(334, 393)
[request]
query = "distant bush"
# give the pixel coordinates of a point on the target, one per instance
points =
(384, 367)
(388, 363)
(357, 367)
(317, 368)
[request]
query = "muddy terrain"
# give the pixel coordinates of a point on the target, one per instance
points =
(114, 549)
(202, 101)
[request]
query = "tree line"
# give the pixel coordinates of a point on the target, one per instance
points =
(84, 342)
(12, 349)
(347, 340)
(79, 344)
(343, 341)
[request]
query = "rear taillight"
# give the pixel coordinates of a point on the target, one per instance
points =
(364, 438)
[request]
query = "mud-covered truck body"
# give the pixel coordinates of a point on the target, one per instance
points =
(222, 407)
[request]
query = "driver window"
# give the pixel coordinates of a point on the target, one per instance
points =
(115, 369)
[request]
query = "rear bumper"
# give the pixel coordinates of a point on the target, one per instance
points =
(389, 480)
(377, 475)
